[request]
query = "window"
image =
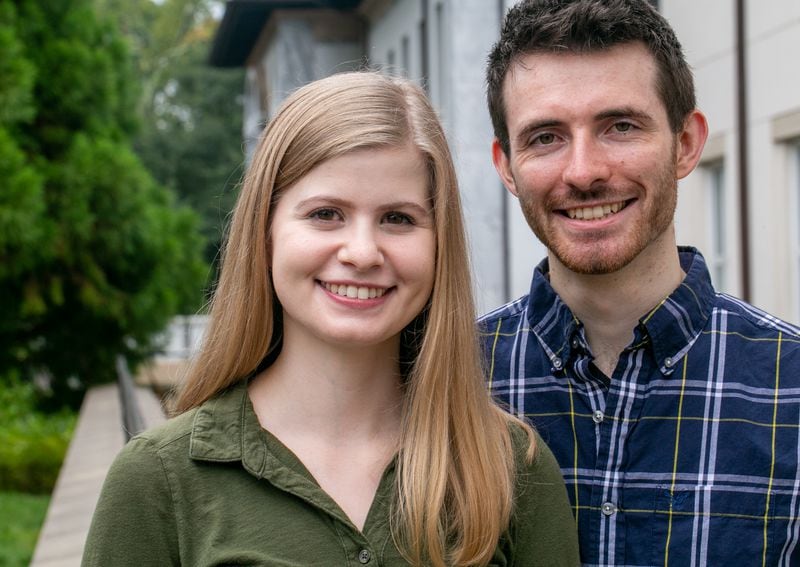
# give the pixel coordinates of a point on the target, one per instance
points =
(717, 253)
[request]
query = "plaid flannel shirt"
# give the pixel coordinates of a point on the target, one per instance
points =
(690, 453)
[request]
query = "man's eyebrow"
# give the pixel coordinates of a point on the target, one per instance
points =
(531, 127)
(625, 112)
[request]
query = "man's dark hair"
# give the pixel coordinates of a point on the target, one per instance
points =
(580, 26)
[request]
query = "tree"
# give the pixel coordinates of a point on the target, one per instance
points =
(95, 255)
(191, 113)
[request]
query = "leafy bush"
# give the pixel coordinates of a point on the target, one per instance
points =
(21, 518)
(32, 444)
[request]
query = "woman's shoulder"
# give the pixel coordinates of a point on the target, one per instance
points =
(535, 461)
(159, 442)
(172, 430)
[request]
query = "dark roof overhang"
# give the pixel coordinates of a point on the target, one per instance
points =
(244, 20)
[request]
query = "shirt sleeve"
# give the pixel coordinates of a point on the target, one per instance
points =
(542, 530)
(134, 521)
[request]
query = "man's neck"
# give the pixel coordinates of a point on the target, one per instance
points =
(611, 305)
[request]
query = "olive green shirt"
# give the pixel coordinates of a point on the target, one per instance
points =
(212, 487)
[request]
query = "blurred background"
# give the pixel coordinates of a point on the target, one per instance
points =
(125, 126)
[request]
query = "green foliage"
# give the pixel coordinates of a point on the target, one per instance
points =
(21, 518)
(32, 444)
(192, 142)
(190, 135)
(95, 255)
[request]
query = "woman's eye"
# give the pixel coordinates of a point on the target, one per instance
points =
(324, 214)
(397, 218)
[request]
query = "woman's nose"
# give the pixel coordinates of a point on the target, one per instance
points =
(361, 248)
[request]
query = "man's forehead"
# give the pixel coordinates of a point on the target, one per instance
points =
(628, 68)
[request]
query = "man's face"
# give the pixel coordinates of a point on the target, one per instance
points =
(592, 157)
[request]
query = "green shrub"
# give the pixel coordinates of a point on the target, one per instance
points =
(32, 444)
(21, 518)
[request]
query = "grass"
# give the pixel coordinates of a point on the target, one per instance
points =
(21, 518)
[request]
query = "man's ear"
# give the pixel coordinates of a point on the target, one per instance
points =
(690, 143)
(503, 166)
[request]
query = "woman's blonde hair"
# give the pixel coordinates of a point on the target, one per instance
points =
(456, 466)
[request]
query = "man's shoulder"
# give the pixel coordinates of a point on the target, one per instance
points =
(755, 335)
(511, 310)
(743, 316)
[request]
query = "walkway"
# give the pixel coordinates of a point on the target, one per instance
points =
(97, 439)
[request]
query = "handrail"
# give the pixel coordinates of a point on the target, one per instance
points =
(132, 421)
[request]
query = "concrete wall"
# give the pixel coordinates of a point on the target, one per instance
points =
(706, 30)
(296, 47)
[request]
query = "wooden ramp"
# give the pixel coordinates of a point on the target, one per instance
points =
(97, 439)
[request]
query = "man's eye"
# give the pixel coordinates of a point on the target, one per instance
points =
(623, 127)
(544, 139)
(397, 218)
(324, 214)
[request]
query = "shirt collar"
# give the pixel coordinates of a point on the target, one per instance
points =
(226, 429)
(675, 324)
(670, 328)
(550, 319)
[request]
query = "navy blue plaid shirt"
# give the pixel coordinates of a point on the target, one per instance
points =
(689, 454)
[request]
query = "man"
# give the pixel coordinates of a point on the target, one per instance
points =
(674, 411)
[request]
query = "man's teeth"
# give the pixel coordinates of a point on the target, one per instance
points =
(355, 292)
(596, 212)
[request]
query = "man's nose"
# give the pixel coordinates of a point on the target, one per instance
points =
(588, 163)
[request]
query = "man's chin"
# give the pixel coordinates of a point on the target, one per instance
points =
(593, 263)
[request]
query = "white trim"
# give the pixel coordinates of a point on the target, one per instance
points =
(794, 207)
(718, 252)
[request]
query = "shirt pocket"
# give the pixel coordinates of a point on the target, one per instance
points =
(715, 524)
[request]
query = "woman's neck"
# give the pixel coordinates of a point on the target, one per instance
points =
(331, 390)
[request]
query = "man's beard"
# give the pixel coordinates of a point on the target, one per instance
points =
(593, 256)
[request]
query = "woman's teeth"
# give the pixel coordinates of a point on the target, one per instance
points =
(354, 292)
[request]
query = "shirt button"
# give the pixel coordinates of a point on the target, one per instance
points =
(364, 556)
(575, 343)
(608, 509)
(668, 362)
(557, 363)
(598, 417)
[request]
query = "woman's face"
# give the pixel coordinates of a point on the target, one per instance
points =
(353, 248)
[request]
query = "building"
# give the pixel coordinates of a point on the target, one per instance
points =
(443, 44)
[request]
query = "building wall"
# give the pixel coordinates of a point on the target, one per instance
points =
(295, 48)
(773, 93)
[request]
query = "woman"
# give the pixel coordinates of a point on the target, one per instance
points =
(336, 414)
